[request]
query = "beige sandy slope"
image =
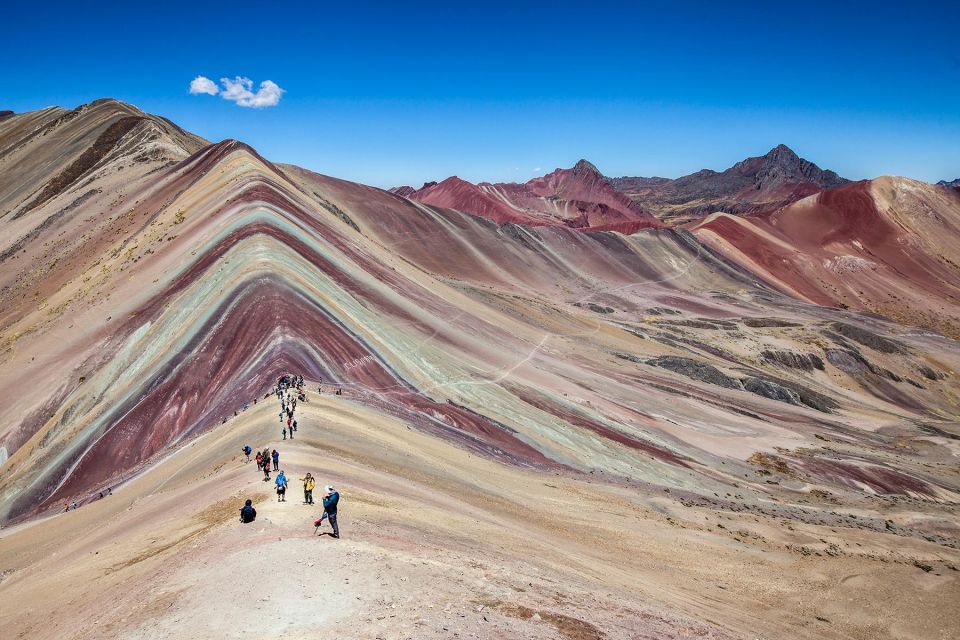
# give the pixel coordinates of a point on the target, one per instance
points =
(438, 542)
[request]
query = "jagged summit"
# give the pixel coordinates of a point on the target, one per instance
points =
(754, 185)
(585, 166)
(781, 165)
(579, 197)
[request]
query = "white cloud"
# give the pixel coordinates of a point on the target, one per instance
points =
(537, 169)
(201, 84)
(239, 90)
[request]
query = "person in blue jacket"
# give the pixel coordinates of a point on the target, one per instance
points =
(247, 451)
(330, 501)
(281, 482)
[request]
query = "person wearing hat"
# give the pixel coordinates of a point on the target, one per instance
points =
(330, 501)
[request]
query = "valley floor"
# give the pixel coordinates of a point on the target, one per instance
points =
(440, 543)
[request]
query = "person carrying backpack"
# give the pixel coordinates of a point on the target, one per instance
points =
(259, 460)
(284, 432)
(281, 482)
(247, 451)
(248, 513)
(276, 460)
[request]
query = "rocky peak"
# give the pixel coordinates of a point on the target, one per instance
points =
(584, 167)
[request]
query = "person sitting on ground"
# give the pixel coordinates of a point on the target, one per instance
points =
(308, 484)
(247, 512)
(281, 487)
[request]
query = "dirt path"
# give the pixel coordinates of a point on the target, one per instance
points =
(439, 543)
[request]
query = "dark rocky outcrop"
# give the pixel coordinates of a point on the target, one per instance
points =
(696, 370)
(930, 374)
(758, 323)
(662, 311)
(772, 390)
(849, 361)
(868, 338)
(803, 361)
(809, 397)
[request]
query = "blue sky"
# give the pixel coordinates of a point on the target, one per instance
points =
(394, 93)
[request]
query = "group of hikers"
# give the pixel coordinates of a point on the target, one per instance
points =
(289, 391)
(330, 501)
(68, 506)
(264, 458)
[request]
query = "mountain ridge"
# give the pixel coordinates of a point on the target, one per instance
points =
(755, 391)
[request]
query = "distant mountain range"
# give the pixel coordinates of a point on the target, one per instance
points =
(582, 197)
(754, 185)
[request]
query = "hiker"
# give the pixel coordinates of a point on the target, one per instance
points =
(266, 469)
(330, 501)
(281, 487)
(259, 460)
(284, 432)
(294, 425)
(248, 513)
(246, 451)
(308, 484)
(276, 460)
